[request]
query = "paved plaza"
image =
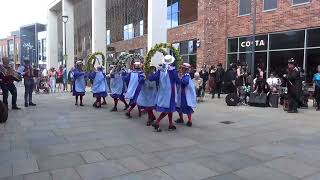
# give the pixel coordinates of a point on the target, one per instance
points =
(58, 141)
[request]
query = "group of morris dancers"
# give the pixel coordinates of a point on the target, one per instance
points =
(166, 90)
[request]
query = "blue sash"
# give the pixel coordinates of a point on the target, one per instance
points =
(191, 94)
(117, 84)
(178, 96)
(133, 84)
(80, 84)
(164, 93)
(99, 83)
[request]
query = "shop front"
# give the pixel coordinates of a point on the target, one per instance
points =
(273, 50)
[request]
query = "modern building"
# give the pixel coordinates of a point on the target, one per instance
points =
(29, 46)
(206, 32)
(42, 50)
(9, 47)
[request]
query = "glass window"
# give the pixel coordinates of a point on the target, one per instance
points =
(128, 32)
(269, 5)
(233, 45)
(192, 47)
(313, 60)
(108, 37)
(141, 28)
(279, 60)
(244, 7)
(296, 2)
(287, 40)
(313, 38)
(232, 58)
(193, 61)
(245, 44)
(184, 47)
(173, 13)
(245, 58)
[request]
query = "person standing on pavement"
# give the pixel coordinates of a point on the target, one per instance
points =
(7, 85)
(27, 72)
(65, 78)
(293, 85)
(204, 74)
(316, 80)
(52, 78)
(219, 75)
(211, 81)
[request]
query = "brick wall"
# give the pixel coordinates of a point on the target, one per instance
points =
(183, 32)
(135, 43)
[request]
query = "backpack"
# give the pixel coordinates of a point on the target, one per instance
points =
(3, 113)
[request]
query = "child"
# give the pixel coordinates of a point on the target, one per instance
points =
(134, 87)
(117, 87)
(99, 86)
(166, 78)
(187, 99)
(79, 83)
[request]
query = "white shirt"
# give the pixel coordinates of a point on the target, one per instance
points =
(273, 81)
(44, 73)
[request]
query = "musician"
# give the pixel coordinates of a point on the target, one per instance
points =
(117, 87)
(27, 72)
(187, 95)
(166, 78)
(7, 85)
(316, 80)
(293, 86)
(134, 87)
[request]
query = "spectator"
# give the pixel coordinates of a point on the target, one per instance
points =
(65, 78)
(52, 80)
(60, 77)
(230, 79)
(212, 71)
(316, 80)
(198, 82)
(219, 75)
(204, 74)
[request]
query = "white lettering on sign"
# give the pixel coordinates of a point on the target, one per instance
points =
(249, 43)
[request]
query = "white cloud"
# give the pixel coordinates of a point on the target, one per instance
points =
(16, 13)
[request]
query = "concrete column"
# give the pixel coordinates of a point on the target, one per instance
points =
(99, 26)
(52, 40)
(67, 10)
(157, 25)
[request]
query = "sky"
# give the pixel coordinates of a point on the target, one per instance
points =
(16, 13)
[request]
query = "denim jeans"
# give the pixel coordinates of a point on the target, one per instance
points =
(6, 88)
(28, 89)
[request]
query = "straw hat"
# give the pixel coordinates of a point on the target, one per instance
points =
(168, 59)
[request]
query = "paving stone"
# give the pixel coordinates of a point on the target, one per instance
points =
(151, 146)
(4, 146)
(152, 174)
(25, 167)
(221, 146)
(38, 176)
(276, 150)
(263, 173)
(188, 171)
(133, 164)
(92, 156)
(74, 147)
(229, 176)
(60, 162)
(151, 160)
(236, 160)
(65, 174)
(313, 177)
(5, 170)
(13, 156)
(292, 167)
(119, 152)
(101, 170)
(13, 178)
(211, 163)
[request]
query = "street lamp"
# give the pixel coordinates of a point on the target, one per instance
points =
(65, 20)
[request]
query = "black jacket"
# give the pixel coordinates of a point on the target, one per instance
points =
(219, 75)
(293, 81)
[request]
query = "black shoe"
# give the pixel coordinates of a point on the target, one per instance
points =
(76, 104)
(154, 118)
(15, 108)
(32, 104)
(189, 124)
(179, 121)
(218, 97)
(81, 104)
(128, 115)
(26, 104)
(104, 103)
(212, 97)
(172, 128)
(126, 108)
(293, 111)
(114, 109)
(318, 109)
(156, 127)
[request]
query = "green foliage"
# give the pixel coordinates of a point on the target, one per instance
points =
(92, 61)
(162, 48)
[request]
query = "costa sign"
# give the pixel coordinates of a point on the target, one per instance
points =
(250, 43)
